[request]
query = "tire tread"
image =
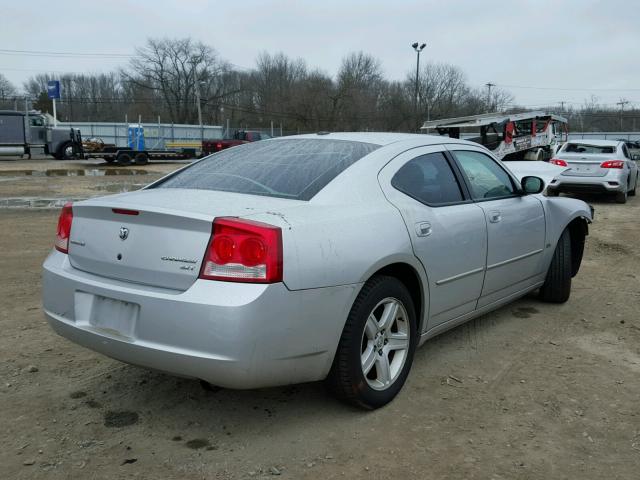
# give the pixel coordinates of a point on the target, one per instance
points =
(340, 380)
(557, 284)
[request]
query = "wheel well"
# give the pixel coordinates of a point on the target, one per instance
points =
(578, 230)
(409, 277)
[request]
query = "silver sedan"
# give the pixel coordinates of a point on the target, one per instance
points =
(308, 258)
(595, 166)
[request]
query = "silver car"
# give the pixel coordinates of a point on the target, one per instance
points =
(595, 166)
(329, 256)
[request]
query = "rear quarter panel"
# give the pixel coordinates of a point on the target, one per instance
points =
(328, 245)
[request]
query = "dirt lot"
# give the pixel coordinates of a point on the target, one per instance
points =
(531, 391)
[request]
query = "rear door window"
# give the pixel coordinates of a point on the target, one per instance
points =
(428, 179)
(292, 168)
(625, 151)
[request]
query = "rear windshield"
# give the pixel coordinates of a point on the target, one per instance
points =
(582, 148)
(295, 168)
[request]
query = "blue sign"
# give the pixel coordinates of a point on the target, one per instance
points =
(53, 89)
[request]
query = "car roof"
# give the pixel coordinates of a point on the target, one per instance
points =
(382, 138)
(597, 142)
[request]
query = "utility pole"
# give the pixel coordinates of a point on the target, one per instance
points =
(562, 105)
(489, 85)
(418, 48)
(199, 112)
(622, 104)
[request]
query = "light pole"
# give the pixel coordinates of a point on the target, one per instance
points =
(489, 85)
(418, 48)
(198, 83)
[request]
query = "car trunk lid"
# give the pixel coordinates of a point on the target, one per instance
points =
(582, 165)
(155, 237)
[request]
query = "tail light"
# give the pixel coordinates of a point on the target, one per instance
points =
(243, 251)
(559, 162)
(612, 164)
(64, 228)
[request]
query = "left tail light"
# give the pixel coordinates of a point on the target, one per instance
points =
(243, 251)
(559, 162)
(612, 164)
(64, 228)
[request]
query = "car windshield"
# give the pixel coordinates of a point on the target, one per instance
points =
(584, 148)
(292, 168)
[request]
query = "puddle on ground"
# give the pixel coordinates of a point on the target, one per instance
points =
(73, 172)
(118, 187)
(35, 202)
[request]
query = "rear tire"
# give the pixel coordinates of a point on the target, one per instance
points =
(123, 159)
(380, 336)
(632, 193)
(621, 197)
(557, 284)
(141, 159)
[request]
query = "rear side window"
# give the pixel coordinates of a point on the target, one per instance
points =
(583, 148)
(293, 168)
(429, 179)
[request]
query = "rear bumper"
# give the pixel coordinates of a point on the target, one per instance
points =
(576, 184)
(230, 334)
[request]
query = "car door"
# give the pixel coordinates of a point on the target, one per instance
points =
(447, 230)
(515, 225)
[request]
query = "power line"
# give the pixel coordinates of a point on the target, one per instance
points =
(42, 53)
(576, 89)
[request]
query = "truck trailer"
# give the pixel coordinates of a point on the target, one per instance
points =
(517, 136)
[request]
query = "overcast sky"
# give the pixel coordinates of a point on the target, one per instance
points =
(569, 50)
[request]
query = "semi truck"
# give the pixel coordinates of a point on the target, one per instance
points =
(518, 136)
(22, 132)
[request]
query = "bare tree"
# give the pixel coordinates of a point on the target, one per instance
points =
(173, 70)
(6, 88)
(356, 96)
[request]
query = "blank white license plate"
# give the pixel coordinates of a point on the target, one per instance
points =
(114, 317)
(583, 169)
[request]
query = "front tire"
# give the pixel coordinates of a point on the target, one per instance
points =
(65, 152)
(376, 348)
(557, 284)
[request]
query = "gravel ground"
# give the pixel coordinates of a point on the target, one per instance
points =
(531, 391)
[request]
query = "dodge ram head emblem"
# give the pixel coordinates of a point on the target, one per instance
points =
(124, 233)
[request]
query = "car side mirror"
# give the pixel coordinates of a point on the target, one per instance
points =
(532, 184)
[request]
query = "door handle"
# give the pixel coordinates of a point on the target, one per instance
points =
(495, 216)
(423, 229)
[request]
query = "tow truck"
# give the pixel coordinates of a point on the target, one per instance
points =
(518, 136)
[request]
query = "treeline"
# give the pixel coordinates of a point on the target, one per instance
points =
(167, 77)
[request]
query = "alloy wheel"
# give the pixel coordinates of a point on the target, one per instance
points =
(385, 343)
